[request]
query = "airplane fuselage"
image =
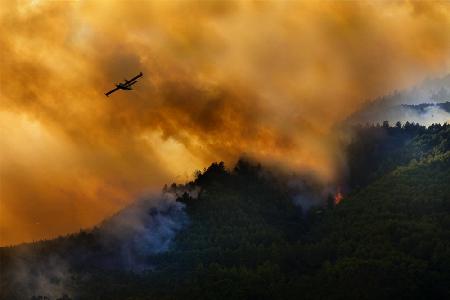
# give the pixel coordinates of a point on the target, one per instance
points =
(125, 85)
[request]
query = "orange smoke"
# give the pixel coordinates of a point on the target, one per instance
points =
(221, 78)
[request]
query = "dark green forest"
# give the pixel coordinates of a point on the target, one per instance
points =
(245, 238)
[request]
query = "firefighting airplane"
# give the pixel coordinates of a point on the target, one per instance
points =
(126, 85)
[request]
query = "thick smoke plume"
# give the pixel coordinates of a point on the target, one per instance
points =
(144, 228)
(221, 78)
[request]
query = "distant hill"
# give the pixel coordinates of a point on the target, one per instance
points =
(239, 234)
(426, 104)
(424, 107)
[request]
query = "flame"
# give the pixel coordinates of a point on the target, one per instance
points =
(338, 196)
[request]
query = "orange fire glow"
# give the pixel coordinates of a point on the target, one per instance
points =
(338, 197)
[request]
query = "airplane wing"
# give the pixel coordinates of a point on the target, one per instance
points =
(131, 83)
(111, 91)
(135, 77)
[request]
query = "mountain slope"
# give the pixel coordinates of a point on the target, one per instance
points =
(391, 239)
(386, 239)
(241, 235)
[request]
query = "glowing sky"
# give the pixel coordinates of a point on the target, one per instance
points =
(221, 79)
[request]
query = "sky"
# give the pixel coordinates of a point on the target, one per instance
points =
(222, 79)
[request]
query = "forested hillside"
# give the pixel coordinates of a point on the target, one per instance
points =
(389, 237)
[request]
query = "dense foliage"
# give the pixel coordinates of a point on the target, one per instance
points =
(388, 238)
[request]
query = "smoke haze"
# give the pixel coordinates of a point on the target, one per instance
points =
(146, 227)
(221, 79)
(124, 242)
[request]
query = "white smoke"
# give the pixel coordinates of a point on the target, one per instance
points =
(431, 115)
(145, 228)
